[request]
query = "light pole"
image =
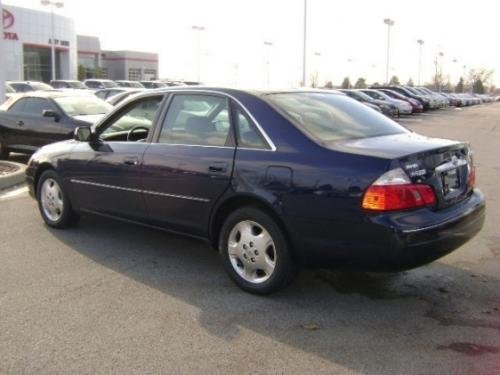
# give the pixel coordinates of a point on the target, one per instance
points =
(53, 4)
(420, 43)
(304, 48)
(198, 29)
(268, 45)
(389, 23)
(2, 58)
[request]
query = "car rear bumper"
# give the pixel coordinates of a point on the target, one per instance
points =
(395, 241)
(412, 245)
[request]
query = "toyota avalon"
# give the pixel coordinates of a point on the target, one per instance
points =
(272, 180)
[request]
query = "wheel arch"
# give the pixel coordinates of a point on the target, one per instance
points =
(42, 167)
(237, 201)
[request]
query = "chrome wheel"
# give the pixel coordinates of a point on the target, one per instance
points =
(51, 199)
(252, 251)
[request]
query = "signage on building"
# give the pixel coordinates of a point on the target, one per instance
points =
(58, 42)
(8, 21)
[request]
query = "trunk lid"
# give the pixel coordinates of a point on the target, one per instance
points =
(443, 164)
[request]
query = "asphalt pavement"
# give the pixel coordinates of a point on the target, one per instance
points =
(107, 297)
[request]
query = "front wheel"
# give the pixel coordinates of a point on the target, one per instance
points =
(53, 201)
(255, 251)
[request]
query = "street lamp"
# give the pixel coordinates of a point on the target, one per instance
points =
(268, 46)
(198, 29)
(304, 48)
(389, 23)
(420, 43)
(53, 4)
(2, 58)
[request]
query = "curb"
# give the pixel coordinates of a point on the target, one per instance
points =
(15, 178)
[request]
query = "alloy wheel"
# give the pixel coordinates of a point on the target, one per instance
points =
(252, 251)
(52, 199)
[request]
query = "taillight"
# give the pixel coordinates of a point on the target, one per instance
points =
(394, 191)
(471, 180)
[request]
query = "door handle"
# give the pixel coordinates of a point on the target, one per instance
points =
(131, 161)
(218, 167)
(20, 123)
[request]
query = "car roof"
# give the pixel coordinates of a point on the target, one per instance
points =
(52, 94)
(231, 91)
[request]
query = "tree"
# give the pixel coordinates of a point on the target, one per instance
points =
(479, 79)
(478, 86)
(394, 81)
(329, 85)
(346, 83)
(82, 73)
(100, 73)
(360, 83)
(460, 85)
(314, 79)
(410, 83)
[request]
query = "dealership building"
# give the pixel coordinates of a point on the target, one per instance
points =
(27, 37)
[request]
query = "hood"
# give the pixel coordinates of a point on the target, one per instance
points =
(89, 119)
(391, 146)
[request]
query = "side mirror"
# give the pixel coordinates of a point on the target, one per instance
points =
(52, 114)
(83, 134)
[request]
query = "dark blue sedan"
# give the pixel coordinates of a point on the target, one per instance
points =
(273, 180)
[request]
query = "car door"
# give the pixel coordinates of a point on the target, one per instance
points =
(106, 173)
(190, 164)
(33, 129)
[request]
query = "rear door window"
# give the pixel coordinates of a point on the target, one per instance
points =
(18, 106)
(248, 135)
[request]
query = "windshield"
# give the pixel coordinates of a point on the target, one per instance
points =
(77, 85)
(40, 86)
(332, 117)
(9, 89)
(83, 105)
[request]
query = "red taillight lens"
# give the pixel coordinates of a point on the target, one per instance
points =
(398, 197)
(471, 180)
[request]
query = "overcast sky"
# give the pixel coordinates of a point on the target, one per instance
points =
(350, 36)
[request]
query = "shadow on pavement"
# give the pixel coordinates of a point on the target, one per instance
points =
(365, 322)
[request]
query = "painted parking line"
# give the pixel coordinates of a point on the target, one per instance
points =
(14, 193)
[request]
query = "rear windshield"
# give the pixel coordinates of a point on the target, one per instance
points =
(109, 84)
(331, 117)
(77, 85)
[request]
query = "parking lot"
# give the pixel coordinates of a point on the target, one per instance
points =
(111, 297)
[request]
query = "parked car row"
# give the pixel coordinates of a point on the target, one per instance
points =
(404, 100)
(89, 84)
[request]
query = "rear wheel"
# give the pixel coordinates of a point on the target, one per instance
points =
(255, 252)
(53, 201)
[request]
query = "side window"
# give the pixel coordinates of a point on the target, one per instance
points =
(196, 120)
(36, 106)
(18, 106)
(92, 84)
(248, 135)
(138, 116)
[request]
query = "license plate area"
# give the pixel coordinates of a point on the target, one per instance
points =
(450, 181)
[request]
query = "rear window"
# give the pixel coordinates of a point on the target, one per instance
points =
(331, 117)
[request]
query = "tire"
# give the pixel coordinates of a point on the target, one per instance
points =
(53, 202)
(255, 251)
(4, 153)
